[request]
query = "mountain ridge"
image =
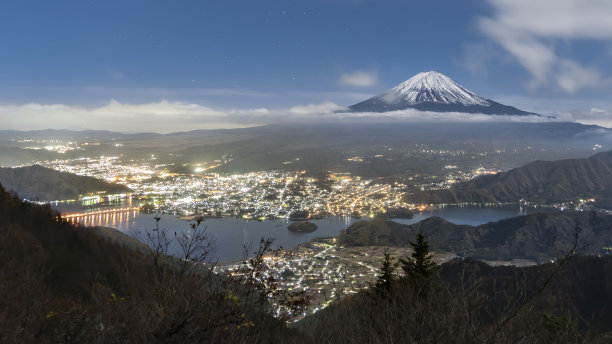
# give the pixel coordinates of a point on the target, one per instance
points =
(41, 183)
(539, 181)
(436, 92)
(537, 237)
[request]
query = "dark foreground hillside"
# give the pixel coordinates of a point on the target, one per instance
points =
(476, 303)
(63, 284)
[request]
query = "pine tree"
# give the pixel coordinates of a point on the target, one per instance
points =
(386, 277)
(420, 267)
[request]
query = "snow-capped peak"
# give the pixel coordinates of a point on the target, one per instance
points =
(435, 92)
(432, 87)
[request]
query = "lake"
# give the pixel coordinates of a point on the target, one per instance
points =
(474, 215)
(232, 233)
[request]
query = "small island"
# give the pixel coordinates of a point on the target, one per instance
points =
(302, 227)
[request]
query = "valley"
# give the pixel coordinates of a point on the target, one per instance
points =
(334, 197)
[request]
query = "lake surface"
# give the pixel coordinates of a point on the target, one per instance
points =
(473, 215)
(232, 233)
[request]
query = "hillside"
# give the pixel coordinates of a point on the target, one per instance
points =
(66, 284)
(538, 237)
(62, 283)
(408, 148)
(480, 304)
(540, 182)
(44, 184)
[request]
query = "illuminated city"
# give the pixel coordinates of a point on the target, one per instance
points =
(254, 195)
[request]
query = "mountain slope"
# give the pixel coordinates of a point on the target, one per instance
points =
(538, 237)
(61, 283)
(45, 184)
(433, 91)
(540, 181)
(478, 297)
(324, 146)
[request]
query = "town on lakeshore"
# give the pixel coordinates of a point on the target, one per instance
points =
(322, 268)
(325, 270)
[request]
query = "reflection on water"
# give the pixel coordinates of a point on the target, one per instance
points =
(112, 219)
(231, 233)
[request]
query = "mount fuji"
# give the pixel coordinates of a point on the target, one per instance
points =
(434, 91)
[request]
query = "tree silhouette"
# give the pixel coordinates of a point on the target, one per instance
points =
(386, 277)
(420, 267)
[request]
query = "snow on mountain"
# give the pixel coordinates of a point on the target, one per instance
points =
(433, 91)
(432, 87)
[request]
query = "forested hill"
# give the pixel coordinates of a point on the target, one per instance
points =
(540, 181)
(65, 284)
(539, 237)
(64, 259)
(44, 184)
(481, 304)
(61, 283)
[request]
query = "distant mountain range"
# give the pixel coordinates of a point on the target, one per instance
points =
(45, 184)
(325, 146)
(540, 181)
(538, 237)
(71, 134)
(434, 91)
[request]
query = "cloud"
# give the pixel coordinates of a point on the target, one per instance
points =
(597, 111)
(166, 116)
(528, 30)
(326, 107)
(477, 56)
(572, 76)
(158, 116)
(413, 115)
(594, 115)
(572, 19)
(163, 116)
(359, 78)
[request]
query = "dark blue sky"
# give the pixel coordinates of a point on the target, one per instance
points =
(275, 54)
